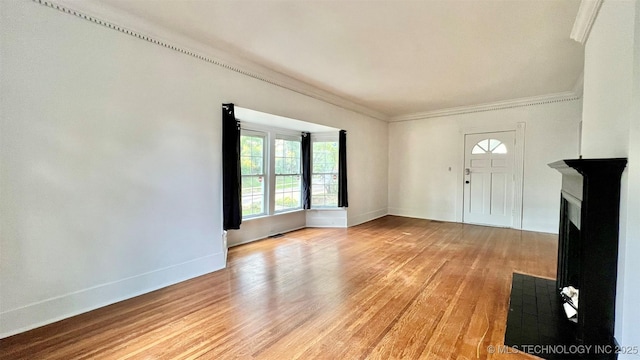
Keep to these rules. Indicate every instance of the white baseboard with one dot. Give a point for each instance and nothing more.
(414, 213)
(263, 237)
(402, 212)
(265, 226)
(61, 307)
(371, 215)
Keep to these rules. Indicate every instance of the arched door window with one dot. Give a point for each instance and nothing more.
(489, 146)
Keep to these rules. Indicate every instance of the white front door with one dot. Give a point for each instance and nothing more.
(489, 178)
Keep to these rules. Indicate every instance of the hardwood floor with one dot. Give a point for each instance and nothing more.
(393, 288)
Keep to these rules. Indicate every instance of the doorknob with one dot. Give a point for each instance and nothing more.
(467, 171)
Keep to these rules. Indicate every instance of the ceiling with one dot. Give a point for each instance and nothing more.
(392, 56)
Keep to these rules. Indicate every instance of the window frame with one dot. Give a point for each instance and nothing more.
(279, 135)
(324, 137)
(265, 171)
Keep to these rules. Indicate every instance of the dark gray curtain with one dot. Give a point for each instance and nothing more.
(343, 200)
(306, 170)
(231, 176)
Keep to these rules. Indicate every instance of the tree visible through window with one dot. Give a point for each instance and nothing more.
(252, 171)
(287, 172)
(324, 174)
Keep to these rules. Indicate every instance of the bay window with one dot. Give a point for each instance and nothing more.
(271, 170)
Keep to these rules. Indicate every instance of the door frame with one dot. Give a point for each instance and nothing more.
(518, 167)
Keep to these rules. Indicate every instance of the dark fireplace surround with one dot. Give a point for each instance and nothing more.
(588, 242)
(587, 260)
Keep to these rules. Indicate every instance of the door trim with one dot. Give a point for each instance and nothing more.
(518, 169)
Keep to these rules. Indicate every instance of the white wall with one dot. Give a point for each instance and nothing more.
(367, 160)
(263, 227)
(608, 79)
(422, 151)
(611, 128)
(327, 218)
(110, 163)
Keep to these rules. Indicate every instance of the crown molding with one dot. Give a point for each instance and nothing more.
(114, 19)
(587, 14)
(98, 13)
(498, 105)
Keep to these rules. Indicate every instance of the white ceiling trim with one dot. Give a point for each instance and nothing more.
(141, 29)
(131, 25)
(587, 14)
(498, 105)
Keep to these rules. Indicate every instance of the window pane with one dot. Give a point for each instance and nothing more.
(325, 157)
(287, 156)
(288, 195)
(279, 165)
(279, 152)
(245, 147)
(324, 190)
(295, 166)
(251, 155)
(493, 143)
(293, 148)
(252, 195)
(257, 146)
(477, 150)
(256, 165)
(484, 144)
(500, 149)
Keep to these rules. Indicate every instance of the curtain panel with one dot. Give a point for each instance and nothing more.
(306, 170)
(343, 200)
(231, 176)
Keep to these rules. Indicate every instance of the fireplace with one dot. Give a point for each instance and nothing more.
(587, 261)
(588, 242)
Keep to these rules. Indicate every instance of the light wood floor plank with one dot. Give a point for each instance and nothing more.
(393, 288)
